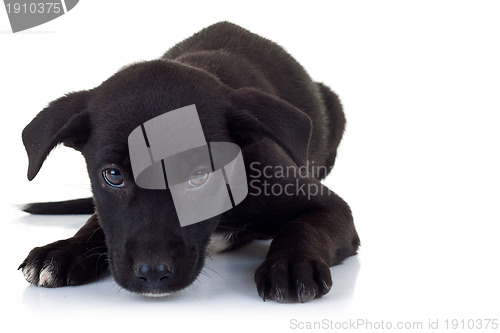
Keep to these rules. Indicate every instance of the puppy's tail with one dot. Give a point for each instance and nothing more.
(77, 206)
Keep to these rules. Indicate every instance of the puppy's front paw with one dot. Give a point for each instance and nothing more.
(62, 263)
(291, 278)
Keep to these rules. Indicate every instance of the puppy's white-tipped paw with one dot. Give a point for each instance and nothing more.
(48, 275)
(220, 242)
(63, 263)
(30, 273)
(45, 277)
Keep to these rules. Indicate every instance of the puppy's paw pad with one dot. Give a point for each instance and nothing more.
(288, 279)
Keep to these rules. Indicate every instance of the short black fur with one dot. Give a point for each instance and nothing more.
(247, 90)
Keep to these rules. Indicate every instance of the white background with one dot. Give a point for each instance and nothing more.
(419, 163)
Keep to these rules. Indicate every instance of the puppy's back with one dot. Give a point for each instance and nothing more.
(286, 77)
(243, 59)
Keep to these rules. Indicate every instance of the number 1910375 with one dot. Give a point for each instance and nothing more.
(471, 324)
(34, 8)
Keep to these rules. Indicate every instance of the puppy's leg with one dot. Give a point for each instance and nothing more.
(72, 261)
(296, 266)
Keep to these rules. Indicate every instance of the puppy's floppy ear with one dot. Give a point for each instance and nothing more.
(269, 115)
(65, 120)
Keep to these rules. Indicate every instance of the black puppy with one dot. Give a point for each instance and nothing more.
(248, 91)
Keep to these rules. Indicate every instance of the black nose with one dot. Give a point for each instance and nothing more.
(153, 275)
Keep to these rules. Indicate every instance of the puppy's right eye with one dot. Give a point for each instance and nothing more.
(113, 177)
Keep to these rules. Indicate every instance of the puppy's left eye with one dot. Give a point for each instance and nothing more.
(198, 178)
(113, 177)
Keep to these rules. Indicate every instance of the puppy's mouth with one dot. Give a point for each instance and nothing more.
(156, 294)
(149, 282)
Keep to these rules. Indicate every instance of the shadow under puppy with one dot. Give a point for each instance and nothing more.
(247, 91)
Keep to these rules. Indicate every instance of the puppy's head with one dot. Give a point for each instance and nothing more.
(148, 251)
